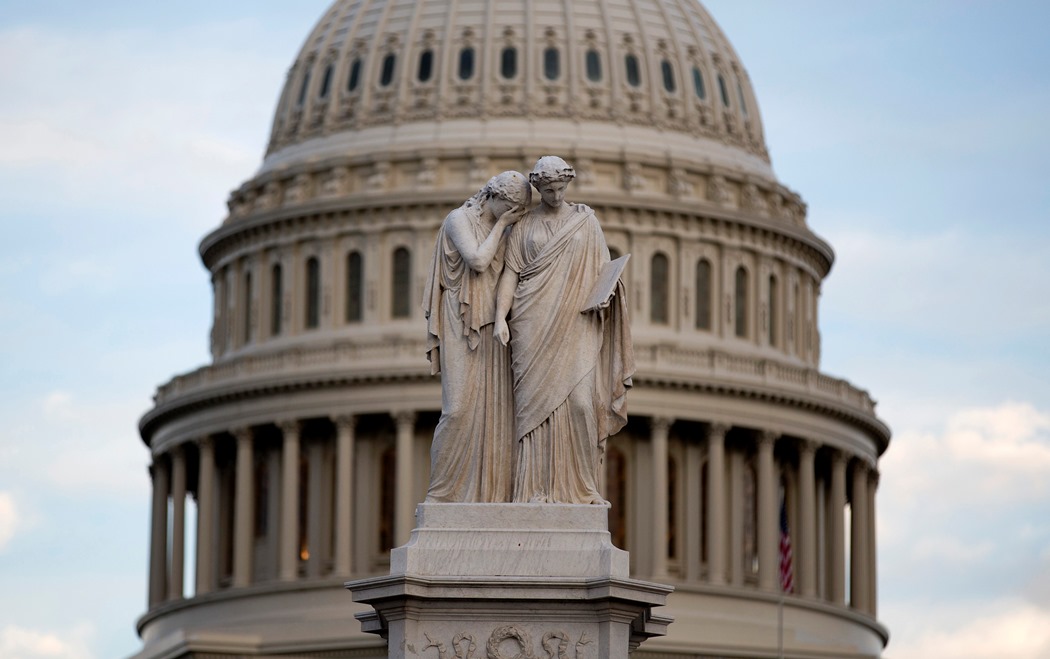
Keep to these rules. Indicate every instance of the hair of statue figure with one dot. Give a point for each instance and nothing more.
(550, 169)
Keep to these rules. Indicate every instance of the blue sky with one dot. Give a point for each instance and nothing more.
(916, 131)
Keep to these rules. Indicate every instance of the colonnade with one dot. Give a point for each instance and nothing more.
(724, 501)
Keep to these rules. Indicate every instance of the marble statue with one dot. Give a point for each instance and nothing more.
(572, 360)
(471, 454)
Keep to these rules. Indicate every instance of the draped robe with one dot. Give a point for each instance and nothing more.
(571, 368)
(472, 452)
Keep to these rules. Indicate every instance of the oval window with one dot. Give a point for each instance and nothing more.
(594, 66)
(551, 63)
(326, 82)
(634, 75)
(426, 66)
(355, 75)
(508, 62)
(387, 75)
(698, 84)
(466, 64)
(668, 74)
(722, 90)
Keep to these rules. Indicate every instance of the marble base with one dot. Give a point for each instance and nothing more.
(510, 581)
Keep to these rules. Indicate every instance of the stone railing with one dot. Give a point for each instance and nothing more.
(400, 358)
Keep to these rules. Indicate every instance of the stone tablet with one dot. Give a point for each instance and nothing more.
(606, 285)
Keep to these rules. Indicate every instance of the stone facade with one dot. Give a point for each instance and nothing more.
(303, 446)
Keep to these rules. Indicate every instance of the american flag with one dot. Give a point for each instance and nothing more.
(787, 572)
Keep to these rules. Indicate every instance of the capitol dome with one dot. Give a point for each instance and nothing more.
(303, 447)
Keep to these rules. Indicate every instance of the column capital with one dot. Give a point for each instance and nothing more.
(344, 421)
(403, 417)
(289, 426)
(808, 446)
(717, 431)
(661, 423)
(767, 438)
(874, 476)
(205, 441)
(243, 433)
(838, 456)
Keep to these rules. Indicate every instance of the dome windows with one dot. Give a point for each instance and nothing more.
(722, 90)
(354, 287)
(703, 295)
(466, 63)
(740, 316)
(401, 293)
(386, 75)
(326, 82)
(593, 63)
(659, 289)
(354, 79)
(634, 74)
(303, 89)
(551, 63)
(740, 94)
(508, 62)
(667, 71)
(276, 299)
(313, 293)
(426, 66)
(774, 316)
(698, 84)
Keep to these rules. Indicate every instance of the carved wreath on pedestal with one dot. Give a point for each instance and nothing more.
(555, 644)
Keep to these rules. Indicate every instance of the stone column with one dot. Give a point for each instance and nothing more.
(178, 524)
(715, 515)
(243, 516)
(768, 577)
(158, 548)
(405, 499)
(658, 440)
(736, 518)
(873, 563)
(206, 517)
(858, 563)
(288, 548)
(836, 530)
(807, 538)
(344, 489)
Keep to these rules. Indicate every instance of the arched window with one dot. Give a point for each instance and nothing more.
(355, 75)
(741, 302)
(774, 311)
(508, 62)
(304, 88)
(668, 74)
(466, 63)
(426, 65)
(659, 289)
(703, 294)
(616, 492)
(401, 297)
(593, 63)
(551, 63)
(722, 90)
(386, 76)
(247, 307)
(354, 288)
(313, 293)
(698, 84)
(387, 489)
(276, 299)
(634, 75)
(740, 94)
(326, 82)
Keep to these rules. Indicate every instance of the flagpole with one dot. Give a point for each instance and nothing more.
(780, 625)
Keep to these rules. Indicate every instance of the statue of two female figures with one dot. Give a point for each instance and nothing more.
(528, 427)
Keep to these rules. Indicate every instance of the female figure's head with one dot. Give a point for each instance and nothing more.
(509, 187)
(552, 176)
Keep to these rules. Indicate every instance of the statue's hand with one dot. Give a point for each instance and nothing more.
(501, 331)
(512, 216)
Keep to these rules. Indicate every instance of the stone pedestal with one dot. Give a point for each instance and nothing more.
(510, 581)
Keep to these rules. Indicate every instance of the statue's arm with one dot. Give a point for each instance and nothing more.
(478, 256)
(508, 282)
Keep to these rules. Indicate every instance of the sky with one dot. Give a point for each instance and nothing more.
(915, 130)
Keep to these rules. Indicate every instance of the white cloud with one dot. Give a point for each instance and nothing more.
(974, 630)
(22, 643)
(983, 457)
(9, 518)
(79, 444)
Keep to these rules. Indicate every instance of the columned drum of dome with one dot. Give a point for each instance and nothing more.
(301, 449)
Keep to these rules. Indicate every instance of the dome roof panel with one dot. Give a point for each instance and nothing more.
(653, 63)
